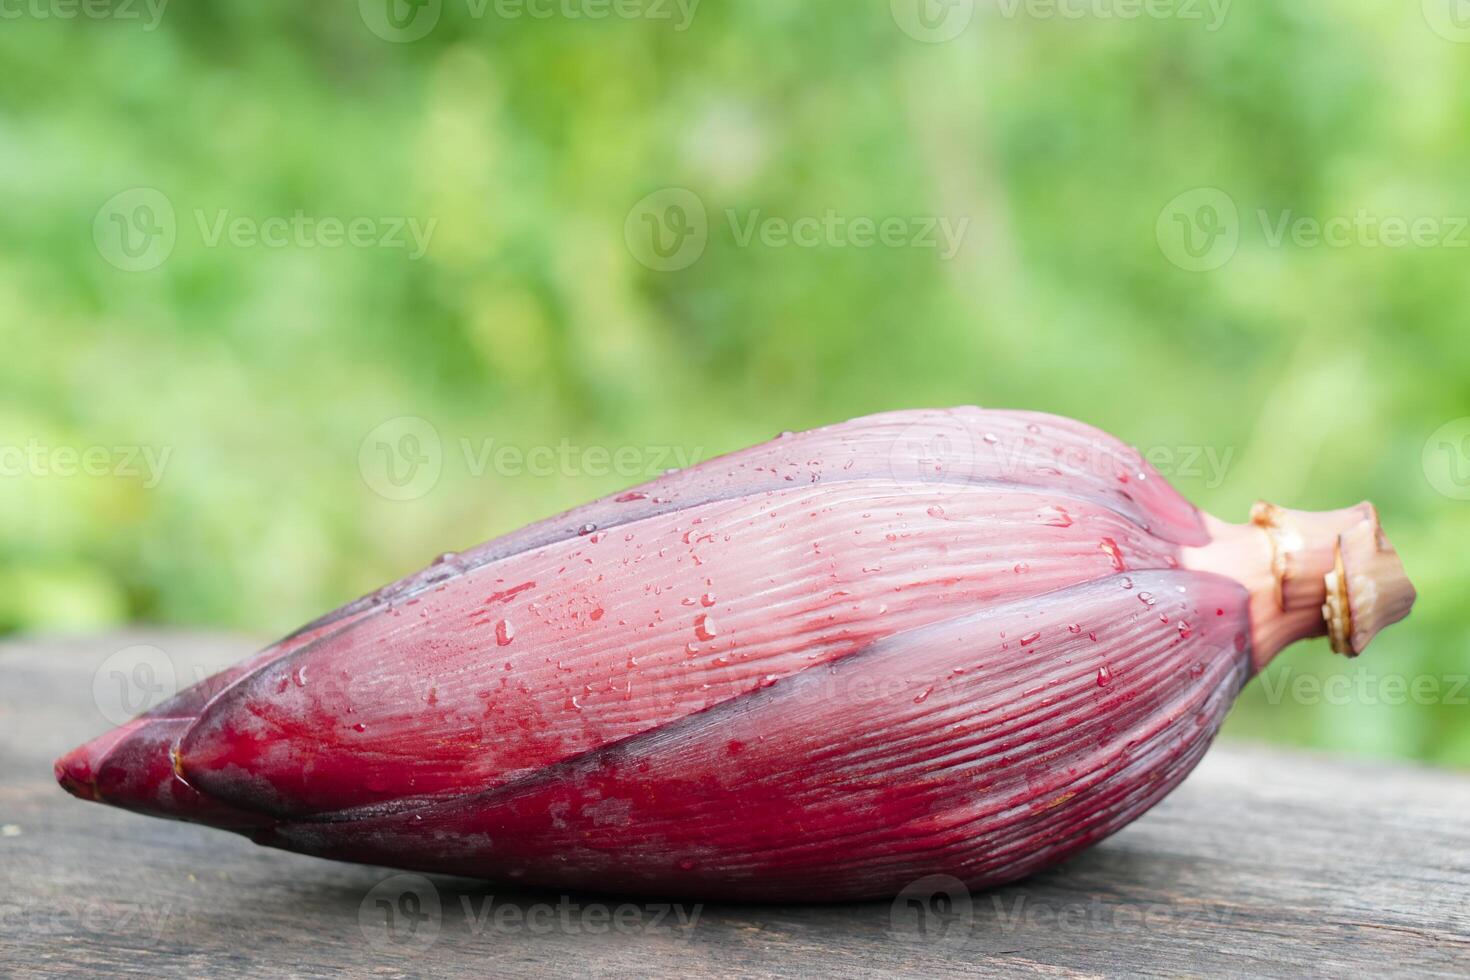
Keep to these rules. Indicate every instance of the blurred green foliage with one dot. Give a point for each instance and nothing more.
(1320, 371)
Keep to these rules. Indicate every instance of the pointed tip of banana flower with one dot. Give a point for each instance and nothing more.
(76, 771)
(135, 767)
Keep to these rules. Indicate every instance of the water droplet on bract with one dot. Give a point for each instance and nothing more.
(1033, 428)
(1074, 628)
(359, 727)
(445, 557)
(1029, 639)
(1104, 676)
(990, 438)
(707, 600)
(924, 695)
(630, 496)
(704, 627)
(1147, 598)
(936, 511)
(1054, 516)
(504, 632)
(1127, 583)
(1022, 568)
(586, 529)
(1115, 555)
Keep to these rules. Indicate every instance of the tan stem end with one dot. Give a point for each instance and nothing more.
(1309, 574)
(1367, 588)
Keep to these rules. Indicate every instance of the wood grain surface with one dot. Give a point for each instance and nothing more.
(1265, 863)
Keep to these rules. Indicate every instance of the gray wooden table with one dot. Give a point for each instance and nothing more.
(1265, 863)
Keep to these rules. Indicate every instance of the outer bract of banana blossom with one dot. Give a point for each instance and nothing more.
(946, 642)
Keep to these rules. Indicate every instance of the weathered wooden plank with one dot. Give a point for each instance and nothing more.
(1264, 863)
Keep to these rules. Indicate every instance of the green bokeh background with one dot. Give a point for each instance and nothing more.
(1321, 372)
